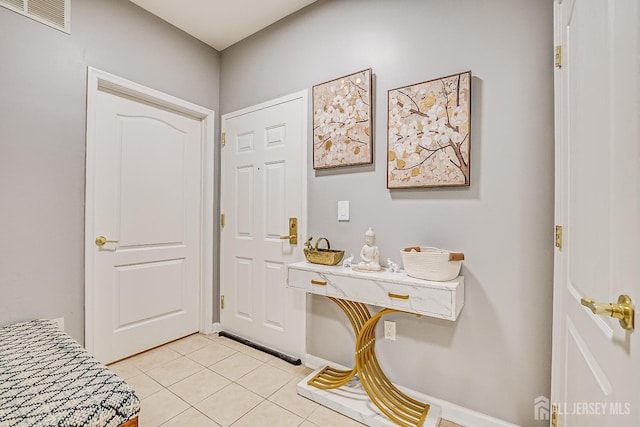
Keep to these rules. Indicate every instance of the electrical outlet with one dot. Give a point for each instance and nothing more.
(389, 330)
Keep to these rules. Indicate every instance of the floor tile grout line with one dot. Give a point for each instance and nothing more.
(224, 358)
(275, 403)
(291, 376)
(177, 415)
(263, 398)
(248, 410)
(303, 419)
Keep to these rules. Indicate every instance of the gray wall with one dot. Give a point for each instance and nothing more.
(496, 358)
(42, 138)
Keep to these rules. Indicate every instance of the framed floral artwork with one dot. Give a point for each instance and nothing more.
(342, 121)
(429, 131)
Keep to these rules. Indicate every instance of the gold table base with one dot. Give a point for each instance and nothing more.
(396, 405)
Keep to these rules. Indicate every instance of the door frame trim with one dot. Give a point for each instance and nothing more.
(100, 80)
(304, 164)
(558, 338)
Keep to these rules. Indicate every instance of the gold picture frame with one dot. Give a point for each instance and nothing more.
(429, 133)
(342, 121)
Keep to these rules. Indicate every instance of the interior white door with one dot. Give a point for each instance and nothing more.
(146, 202)
(595, 373)
(263, 185)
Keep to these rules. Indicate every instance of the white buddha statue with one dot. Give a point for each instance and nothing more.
(369, 253)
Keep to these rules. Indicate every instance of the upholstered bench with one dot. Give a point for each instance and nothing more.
(48, 380)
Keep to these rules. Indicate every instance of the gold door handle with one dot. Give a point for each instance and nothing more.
(292, 237)
(318, 282)
(101, 240)
(622, 311)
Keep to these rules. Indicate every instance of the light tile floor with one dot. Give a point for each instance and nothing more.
(209, 381)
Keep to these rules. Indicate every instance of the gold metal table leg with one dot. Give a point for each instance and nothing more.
(400, 408)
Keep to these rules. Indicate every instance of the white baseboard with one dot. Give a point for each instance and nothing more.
(210, 328)
(466, 417)
(450, 411)
(314, 362)
(60, 322)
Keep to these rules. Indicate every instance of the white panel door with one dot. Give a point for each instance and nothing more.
(146, 189)
(263, 185)
(595, 379)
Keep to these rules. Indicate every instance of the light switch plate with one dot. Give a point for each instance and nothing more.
(343, 210)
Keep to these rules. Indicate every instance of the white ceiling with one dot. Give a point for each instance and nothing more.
(221, 23)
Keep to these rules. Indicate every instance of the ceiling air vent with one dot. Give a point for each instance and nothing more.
(54, 13)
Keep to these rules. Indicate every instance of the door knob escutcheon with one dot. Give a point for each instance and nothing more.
(293, 232)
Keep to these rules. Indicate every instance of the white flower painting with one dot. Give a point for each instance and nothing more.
(429, 133)
(342, 121)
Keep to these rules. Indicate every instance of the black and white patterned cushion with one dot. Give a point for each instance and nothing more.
(47, 379)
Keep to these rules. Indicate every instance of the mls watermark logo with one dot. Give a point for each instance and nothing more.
(541, 408)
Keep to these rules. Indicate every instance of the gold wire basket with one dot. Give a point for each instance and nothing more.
(322, 256)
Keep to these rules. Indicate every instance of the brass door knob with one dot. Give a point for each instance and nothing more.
(622, 311)
(101, 240)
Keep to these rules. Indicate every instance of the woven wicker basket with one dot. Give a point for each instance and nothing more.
(431, 263)
(322, 256)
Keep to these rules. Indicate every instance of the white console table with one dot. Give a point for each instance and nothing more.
(394, 292)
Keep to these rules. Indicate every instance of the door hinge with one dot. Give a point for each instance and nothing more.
(559, 236)
(222, 220)
(554, 415)
(558, 56)
(223, 140)
(221, 302)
